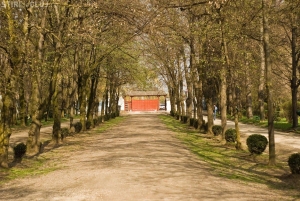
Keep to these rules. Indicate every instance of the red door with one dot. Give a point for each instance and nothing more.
(145, 105)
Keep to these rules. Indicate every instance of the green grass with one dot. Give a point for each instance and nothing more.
(28, 167)
(225, 160)
(280, 125)
(44, 123)
(108, 124)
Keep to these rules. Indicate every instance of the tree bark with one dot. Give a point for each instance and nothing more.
(5, 126)
(223, 76)
(262, 77)
(294, 80)
(248, 91)
(210, 119)
(269, 87)
(37, 105)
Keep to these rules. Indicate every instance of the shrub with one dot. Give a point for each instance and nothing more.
(204, 126)
(294, 163)
(287, 111)
(217, 130)
(257, 143)
(106, 117)
(20, 150)
(192, 121)
(88, 124)
(196, 123)
(230, 135)
(172, 113)
(96, 121)
(185, 118)
(78, 127)
(64, 132)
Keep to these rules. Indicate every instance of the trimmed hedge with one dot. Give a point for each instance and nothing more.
(204, 126)
(184, 119)
(192, 120)
(230, 135)
(257, 143)
(172, 113)
(217, 130)
(294, 163)
(64, 132)
(78, 127)
(88, 124)
(20, 150)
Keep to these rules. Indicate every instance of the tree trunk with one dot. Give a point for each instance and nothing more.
(33, 140)
(248, 91)
(199, 97)
(37, 105)
(269, 87)
(56, 106)
(238, 145)
(223, 87)
(102, 109)
(82, 99)
(5, 126)
(237, 101)
(189, 83)
(210, 119)
(294, 80)
(172, 95)
(261, 94)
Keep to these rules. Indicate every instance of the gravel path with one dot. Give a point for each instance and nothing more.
(140, 159)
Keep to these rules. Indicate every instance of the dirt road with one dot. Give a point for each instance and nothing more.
(140, 159)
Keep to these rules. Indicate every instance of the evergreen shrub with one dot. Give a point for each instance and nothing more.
(88, 124)
(294, 163)
(230, 135)
(217, 130)
(78, 127)
(257, 143)
(20, 150)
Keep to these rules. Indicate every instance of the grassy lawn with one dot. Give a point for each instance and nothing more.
(226, 161)
(44, 123)
(280, 125)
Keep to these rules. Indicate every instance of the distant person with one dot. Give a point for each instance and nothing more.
(215, 111)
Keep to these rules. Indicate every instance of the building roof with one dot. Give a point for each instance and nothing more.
(145, 93)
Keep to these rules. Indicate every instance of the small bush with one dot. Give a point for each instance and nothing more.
(106, 117)
(287, 110)
(196, 123)
(184, 119)
(64, 132)
(294, 163)
(257, 143)
(172, 113)
(204, 126)
(230, 135)
(78, 127)
(192, 121)
(217, 130)
(96, 121)
(88, 124)
(20, 150)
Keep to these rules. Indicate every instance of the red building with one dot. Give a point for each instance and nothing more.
(144, 100)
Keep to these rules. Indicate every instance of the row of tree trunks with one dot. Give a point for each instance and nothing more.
(11, 65)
